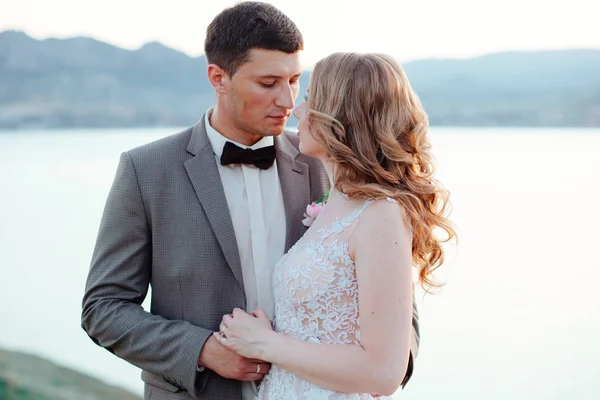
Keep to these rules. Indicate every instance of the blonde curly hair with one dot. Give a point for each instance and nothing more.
(362, 109)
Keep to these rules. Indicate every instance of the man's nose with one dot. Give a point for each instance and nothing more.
(285, 98)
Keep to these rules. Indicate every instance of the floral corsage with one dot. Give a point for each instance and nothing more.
(313, 210)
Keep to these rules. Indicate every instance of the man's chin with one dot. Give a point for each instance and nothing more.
(274, 131)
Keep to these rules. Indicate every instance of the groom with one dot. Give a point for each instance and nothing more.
(202, 216)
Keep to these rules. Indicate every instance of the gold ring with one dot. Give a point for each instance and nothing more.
(258, 368)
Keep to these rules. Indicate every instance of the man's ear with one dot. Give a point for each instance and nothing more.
(218, 78)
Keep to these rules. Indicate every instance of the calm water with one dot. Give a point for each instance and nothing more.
(518, 319)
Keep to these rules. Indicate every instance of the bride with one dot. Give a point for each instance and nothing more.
(344, 292)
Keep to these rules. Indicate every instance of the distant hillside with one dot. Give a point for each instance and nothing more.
(82, 82)
(28, 377)
(547, 88)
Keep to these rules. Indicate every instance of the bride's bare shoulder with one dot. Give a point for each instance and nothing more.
(383, 222)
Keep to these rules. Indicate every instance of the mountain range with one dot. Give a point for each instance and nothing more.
(82, 82)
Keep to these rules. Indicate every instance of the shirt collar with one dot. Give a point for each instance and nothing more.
(218, 141)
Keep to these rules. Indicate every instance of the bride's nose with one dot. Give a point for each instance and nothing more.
(296, 111)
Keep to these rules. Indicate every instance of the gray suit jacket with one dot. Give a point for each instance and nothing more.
(166, 224)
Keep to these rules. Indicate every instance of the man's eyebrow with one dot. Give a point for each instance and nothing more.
(278, 76)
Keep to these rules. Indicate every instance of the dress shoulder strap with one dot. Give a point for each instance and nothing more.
(340, 224)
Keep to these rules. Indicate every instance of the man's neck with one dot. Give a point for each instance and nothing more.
(221, 123)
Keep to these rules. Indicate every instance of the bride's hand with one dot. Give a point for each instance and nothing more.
(244, 333)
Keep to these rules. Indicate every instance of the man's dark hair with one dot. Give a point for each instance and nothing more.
(246, 26)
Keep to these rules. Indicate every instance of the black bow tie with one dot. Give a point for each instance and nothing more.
(262, 158)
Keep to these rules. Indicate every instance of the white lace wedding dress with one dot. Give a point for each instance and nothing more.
(316, 300)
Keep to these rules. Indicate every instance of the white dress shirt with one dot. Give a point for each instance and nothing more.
(256, 206)
(255, 203)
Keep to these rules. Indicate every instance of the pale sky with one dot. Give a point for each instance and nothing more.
(407, 30)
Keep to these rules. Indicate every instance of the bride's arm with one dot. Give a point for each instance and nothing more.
(381, 248)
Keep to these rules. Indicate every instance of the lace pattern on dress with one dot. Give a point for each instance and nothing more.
(316, 300)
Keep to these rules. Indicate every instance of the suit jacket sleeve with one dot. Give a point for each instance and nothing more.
(117, 284)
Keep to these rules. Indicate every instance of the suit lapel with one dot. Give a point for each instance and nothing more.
(204, 174)
(295, 188)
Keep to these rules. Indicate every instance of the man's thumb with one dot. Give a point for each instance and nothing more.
(260, 313)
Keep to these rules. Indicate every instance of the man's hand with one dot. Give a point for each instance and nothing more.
(229, 364)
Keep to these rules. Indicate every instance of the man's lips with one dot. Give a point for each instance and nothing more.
(279, 117)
